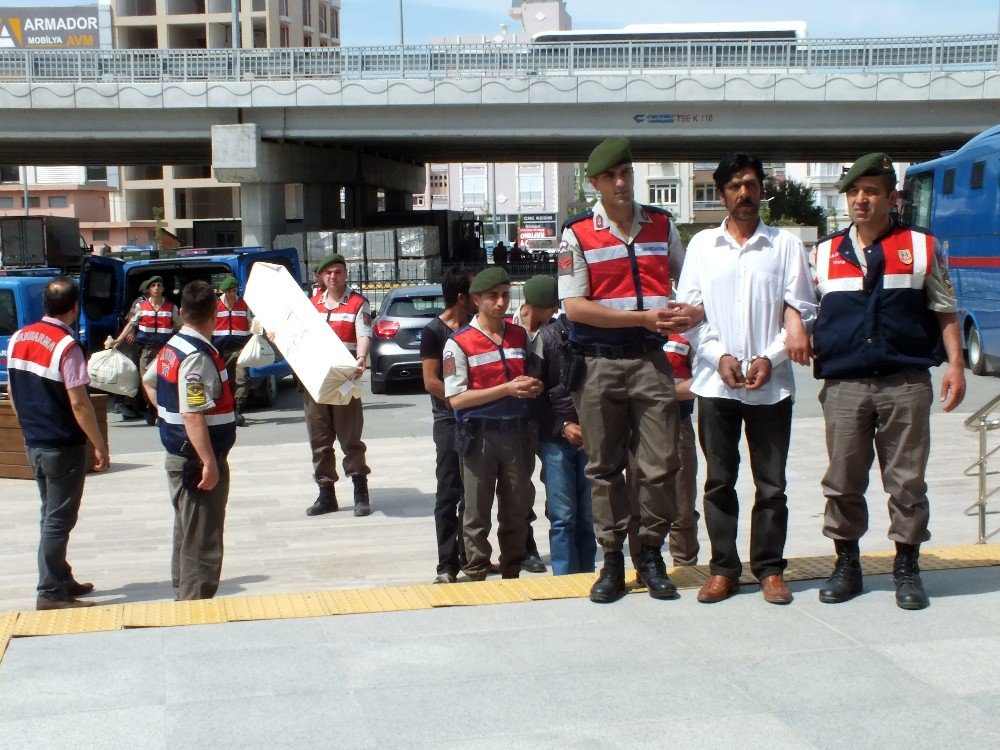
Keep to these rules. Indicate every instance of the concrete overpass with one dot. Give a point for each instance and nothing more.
(371, 118)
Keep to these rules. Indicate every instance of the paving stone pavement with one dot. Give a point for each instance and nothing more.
(558, 674)
(538, 674)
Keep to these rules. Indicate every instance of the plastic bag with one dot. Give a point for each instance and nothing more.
(113, 372)
(257, 352)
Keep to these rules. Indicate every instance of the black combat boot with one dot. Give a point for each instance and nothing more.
(845, 583)
(652, 573)
(610, 586)
(326, 502)
(240, 419)
(906, 575)
(362, 505)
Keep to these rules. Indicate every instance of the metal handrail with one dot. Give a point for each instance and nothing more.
(864, 55)
(983, 422)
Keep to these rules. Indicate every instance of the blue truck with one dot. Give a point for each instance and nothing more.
(957, 197)
(20, 304)
(109, 287)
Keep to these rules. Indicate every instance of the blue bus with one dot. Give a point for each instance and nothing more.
(957, 197)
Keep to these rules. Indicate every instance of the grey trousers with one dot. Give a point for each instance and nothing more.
(499, 463)
(628, 414)
(324, 423)
(683, 537)
(199, 518)
(59, 473)
(888, 417)
(237, 377)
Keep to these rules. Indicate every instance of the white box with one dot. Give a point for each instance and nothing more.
(380, 245)
(324, 366)
(351, 245)
(418, 242)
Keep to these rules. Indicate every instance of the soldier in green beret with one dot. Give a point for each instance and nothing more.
(232, 332)
(350, 317)
(615, 265)
(487, 368)
(887, 314)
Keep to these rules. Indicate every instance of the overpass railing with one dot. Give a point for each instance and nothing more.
(903, 54)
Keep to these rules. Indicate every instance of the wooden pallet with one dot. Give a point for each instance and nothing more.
(13, 459)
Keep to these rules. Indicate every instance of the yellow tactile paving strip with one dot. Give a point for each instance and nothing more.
(66, 621)
(170, 614)
(7, 622)
(401, 598)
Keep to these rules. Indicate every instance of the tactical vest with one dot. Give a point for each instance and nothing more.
(155, 325)
(343, 319)
(492, 364)
(232, 327)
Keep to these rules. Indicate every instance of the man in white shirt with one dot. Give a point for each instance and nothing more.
(746, 274)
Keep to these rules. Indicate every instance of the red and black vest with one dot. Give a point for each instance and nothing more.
(343, 319)
(492, 364)
(232, 327)
(875, 323)
(35, 354)
(632, 276)
(156, 325)
(221, 418)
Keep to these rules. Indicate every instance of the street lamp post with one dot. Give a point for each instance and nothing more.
(400, 23)
(236, 24)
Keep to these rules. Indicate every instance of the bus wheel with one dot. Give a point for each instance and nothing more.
(974, 348)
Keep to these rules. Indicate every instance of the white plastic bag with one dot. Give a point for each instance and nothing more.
(112, 371)
(257, 352)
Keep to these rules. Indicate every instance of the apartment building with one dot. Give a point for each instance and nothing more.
(190, 193)
(91, 194)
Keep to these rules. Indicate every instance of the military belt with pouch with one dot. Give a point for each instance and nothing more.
(572, 366)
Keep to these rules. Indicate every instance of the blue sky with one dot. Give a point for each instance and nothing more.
(373, 22)
(367, 22)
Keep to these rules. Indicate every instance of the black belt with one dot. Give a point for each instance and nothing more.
(502, 424)
(622, 351)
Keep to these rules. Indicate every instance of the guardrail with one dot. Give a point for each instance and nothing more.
(903, 54)
(984, 421)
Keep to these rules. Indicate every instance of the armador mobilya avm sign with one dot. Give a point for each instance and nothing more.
(46, 28)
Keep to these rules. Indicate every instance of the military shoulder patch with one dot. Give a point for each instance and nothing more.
(195, 394)
(565, 263)
(448, 365)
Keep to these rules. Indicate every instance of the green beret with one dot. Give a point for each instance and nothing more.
(329, 260)
(540, 291)
(149, 282)
(867, 165)
(486, 280)
(228, 283)
(610, 153)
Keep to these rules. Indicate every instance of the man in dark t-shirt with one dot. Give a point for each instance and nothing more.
(448, 499)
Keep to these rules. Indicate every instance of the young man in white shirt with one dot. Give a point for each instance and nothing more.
(746, 274)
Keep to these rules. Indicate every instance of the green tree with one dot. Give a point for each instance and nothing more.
(792, 204)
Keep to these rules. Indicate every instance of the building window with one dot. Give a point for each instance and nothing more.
(307, 14)
(33, 202)
(284, 36)
(58, 201)
(10, 174)
(283, 8)
(96, 174)
(102, 235)
(334, 23)
(322, 19)
(706, 196)
(978, 175)
(473, 185)
(419, 201)
(663, 193)
(6, 201)
(307, 41)
(530, 185)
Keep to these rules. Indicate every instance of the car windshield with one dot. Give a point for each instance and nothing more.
(425, 306)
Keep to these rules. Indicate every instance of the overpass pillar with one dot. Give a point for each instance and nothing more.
(398, 200)
(362, 200)
(321, 206)
(262, 208)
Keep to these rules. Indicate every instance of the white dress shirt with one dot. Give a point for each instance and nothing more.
(744, 290)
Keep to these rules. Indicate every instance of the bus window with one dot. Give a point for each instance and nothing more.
(978, 173)
(919, 190)
(948, 186)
